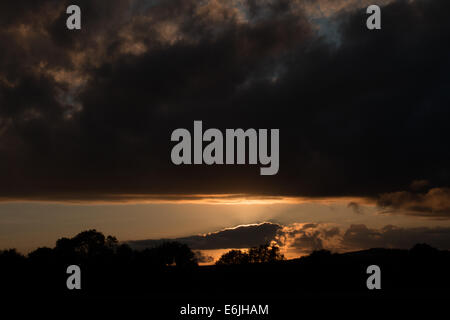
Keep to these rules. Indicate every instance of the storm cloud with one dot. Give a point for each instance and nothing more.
(88, 114)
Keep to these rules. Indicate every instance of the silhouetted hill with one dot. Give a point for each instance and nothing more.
(169, 274)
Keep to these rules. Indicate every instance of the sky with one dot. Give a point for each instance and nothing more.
(86, 118)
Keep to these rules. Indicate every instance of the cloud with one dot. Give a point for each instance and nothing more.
(417, 185)
(362, 237)
(356, 207)
(245, 236)
(299, 239)
(89, 114)
(434, 203)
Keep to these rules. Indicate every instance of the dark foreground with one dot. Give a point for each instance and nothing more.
(322, 284)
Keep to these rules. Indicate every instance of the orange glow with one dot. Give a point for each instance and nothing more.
(209, 199)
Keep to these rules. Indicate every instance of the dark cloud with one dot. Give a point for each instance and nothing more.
(418, 185)
(89, 114)
(362, 237)
(298, 239)
(311, 242)
(356, 207)
(246, 236)
(305, 238)
(434, 203)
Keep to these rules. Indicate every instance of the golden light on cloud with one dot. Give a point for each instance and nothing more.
(207, 199)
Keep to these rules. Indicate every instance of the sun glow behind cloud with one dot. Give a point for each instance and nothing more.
(207, 199)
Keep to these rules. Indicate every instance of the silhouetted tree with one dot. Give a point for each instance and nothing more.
(10, 256)
(124, 252)
(233, 257)
(86, 244)
(261, 254)
(12, 264)
(170, 254)
(110, 268)
(42, 255)
(265, 253)
(111, 242)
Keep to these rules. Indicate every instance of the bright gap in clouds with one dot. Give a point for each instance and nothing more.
(28, 225)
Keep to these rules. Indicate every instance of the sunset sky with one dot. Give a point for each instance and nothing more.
(86, 118)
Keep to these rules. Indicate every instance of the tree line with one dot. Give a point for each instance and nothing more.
(92, 245)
